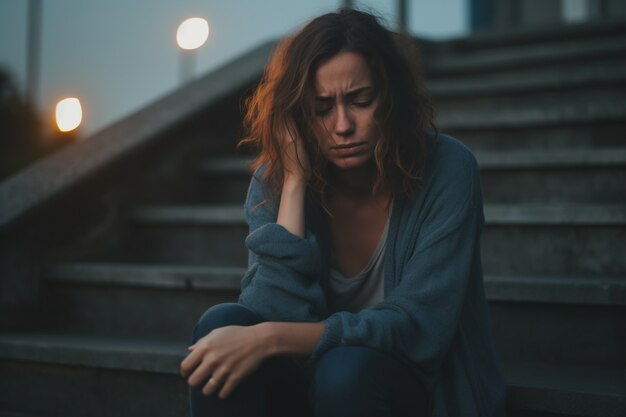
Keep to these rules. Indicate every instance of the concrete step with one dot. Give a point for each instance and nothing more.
(555, 215)
(173, 278)
(70, 375)
(207, 234)
(559, 320)
(134, 300)
(569, 321)
(238, 167)
(535, 239)
(503, 58)
(561, 113)
(551, 159)
(519, 176)
(538, 80)
(590, 101)
(113, 299)
(540, 388)
(560, 334)
(608, 291)
(554, 239)
(227, 179)
(66, 375)
(571, 133)
(554, 175)
(578, 124)
(518, 36)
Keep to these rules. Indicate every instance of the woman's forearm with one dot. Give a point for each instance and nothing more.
(291, 210)
(293, 339)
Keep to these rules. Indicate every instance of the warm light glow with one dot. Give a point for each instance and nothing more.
(69, 114)
(192, 33)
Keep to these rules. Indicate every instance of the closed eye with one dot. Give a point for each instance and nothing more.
(363, 103)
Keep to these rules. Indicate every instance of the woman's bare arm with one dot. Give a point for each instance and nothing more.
(295, 176)
(291, 339)
(291, 210)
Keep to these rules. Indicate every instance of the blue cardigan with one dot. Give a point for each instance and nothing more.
(434, 315)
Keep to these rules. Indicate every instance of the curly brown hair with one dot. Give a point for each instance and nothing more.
(284, 99)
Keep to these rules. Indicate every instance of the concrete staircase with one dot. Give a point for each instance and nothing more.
(545, 114)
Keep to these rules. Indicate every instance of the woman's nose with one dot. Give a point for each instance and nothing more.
(344, 125)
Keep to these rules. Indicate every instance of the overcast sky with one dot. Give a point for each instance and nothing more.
(119, 55)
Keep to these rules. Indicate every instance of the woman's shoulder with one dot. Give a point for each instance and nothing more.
(451, 171)
(449, 152)
(449, 160)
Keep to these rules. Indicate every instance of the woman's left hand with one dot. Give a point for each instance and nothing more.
(224, 357)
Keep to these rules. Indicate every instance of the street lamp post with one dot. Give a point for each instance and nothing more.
(192, 33)
(402, 15)
(33, 55)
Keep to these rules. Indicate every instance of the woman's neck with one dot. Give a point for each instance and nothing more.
(356, 181)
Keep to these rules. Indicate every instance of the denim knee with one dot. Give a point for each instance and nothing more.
(339, 382)
(220, 315)
(359, 381)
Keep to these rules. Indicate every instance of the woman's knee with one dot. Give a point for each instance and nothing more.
(359, 381)
(342, 370)
(221, 315)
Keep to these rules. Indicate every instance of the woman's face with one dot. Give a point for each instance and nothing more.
(345, 104)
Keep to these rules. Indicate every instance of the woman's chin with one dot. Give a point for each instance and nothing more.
(352, 162)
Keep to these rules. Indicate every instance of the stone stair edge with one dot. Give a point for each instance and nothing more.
(523, 35)
(487, 160)
(442, 88)
(540, 386)
(227, 165)
(556, 214)
(495, 214)
(513, 57)
(89, 351)
(499, 288)
(570, 391)
(568, 114)
(551, 158)
(608, 291)
(184, 277)
(216, 214)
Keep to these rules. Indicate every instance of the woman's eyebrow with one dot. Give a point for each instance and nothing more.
(358, 91)
(349, 95)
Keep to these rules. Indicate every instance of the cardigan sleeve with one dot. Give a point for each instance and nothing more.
(282, 282)
(418, 319)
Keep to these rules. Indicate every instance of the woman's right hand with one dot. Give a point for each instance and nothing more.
(296, 165)
(222, 359)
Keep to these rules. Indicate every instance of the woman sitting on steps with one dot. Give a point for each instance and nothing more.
(364, 292)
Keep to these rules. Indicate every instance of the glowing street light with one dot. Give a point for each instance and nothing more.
(192, 33)
(69, 114)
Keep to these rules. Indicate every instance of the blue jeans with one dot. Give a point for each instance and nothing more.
(346, 381)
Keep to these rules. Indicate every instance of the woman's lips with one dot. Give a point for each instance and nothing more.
(349, 149)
